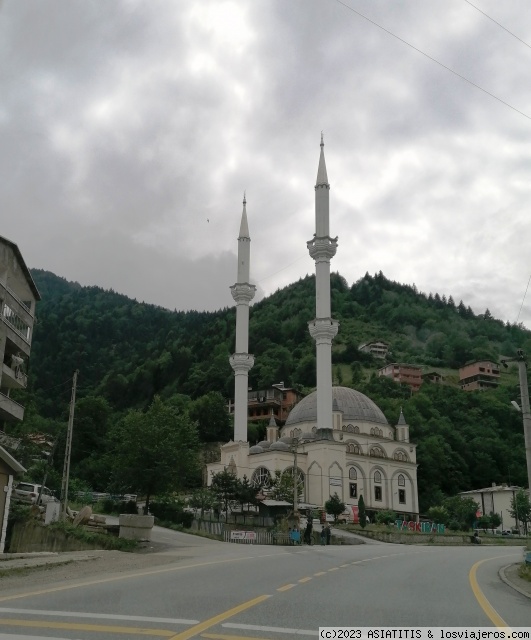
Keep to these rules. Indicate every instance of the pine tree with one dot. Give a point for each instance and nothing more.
(361, 512)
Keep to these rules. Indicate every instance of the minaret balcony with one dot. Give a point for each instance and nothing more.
(322, 249)
(243, 292)
(323, 330)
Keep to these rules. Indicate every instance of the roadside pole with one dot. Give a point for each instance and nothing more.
(68, 449)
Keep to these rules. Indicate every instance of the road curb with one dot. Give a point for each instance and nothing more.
(503, 576)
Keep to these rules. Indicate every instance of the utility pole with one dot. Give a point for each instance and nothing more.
(295, 482)
(68, 449)
(526, 413)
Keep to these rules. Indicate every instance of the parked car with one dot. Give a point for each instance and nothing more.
(28, 492)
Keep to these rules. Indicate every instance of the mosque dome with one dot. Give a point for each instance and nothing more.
(265, 444)
(286, 440)
(255, 449)
(278, 446)
(308, 435)
(355, 407)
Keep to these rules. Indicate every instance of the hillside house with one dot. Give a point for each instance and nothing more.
(407, 373)
(481, 374)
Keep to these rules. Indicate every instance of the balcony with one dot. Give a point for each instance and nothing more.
(13, 379)
(17, 319)
(9, 409)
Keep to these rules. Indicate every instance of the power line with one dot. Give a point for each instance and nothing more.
(496, 22)
(518, 316)
(426, 55)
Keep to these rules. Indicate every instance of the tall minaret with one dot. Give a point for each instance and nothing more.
(323, 329)
(241, 361)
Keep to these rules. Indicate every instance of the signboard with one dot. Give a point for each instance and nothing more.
(8, 441)
(243, 535)
(419, 527)
(336, 482)
(355, 515)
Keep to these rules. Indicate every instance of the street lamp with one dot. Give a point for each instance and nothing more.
(521, 359)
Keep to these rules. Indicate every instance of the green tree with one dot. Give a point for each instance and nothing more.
(385, 517)
(361, 512)
(203, 499)
(282, 486)
(439, 515)
(495, 520)
(245, 493)
(225, 487)
(334, 506)
(213, 420)
(462, 510)
(154, 452)
(521, 508)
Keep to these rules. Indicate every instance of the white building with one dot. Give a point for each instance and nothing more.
(495, 499)
(340, 439)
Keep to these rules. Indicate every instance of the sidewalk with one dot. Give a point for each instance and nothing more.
(509, 575)
(18, 561)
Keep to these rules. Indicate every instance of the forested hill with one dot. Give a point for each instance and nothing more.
(128, 352)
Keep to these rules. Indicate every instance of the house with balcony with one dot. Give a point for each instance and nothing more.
(479, 375)
(407, 373)
(18, 298)
(377, 348)
(276, 400)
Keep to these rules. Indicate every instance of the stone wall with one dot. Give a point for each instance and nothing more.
(31, 536)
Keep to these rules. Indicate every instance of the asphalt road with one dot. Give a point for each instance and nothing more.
(213, 590)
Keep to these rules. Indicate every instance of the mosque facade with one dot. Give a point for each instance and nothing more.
(336, 440)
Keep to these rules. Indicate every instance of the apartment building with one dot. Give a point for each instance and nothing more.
(406, 373)
(276, 400)
(18, 297)
(481, 374)
(378, 348)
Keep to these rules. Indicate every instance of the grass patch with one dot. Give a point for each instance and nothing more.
(524, 571)
(102, 540)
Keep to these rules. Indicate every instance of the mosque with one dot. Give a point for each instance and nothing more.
(336, 439)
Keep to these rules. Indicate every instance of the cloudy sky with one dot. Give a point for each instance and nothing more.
(130, 129)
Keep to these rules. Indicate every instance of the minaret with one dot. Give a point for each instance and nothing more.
(323, 329)
(241, 361)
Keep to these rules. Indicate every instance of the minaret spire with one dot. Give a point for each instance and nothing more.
(241, 361)
(323, 329)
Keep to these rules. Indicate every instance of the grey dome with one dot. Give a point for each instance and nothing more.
(265, 444)
(354, 405)
(255, 449)
(279, 446)
(286, 440)
(308, 435)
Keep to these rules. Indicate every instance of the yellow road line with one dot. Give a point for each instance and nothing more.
(491, 612)
(334, 569)
(320, 573)
(305, 579)
(345, 565)
(73, 626)
(286, 587)
(220, 636)
(203, 626)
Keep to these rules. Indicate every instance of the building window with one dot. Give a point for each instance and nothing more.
(400, 455)
(377, 477)
(353, 490)
(402, 496)
(401, 481)
(378, 493)
(261, 477)
(352, 473)
(376, 452)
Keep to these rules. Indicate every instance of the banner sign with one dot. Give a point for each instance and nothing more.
(243, 535)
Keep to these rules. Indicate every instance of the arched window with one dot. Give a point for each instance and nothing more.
(377, 477)
(350, 428)
(289, 471)
(372, 431)
(352, 473)
(232, 467)
(261, 478)
(314, 429)
(356, 429)
(400, 455)
(377, 452)
(401, 481)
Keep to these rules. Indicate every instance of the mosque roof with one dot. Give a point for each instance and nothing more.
(353, 404)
